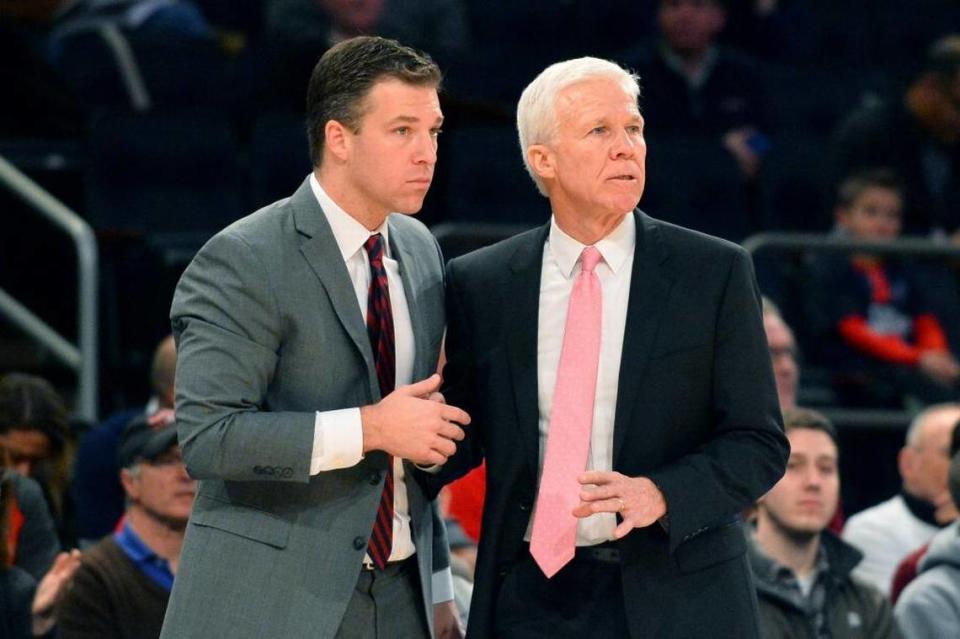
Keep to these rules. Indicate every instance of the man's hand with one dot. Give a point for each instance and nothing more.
(737, 143)
(637, 499)
(51, 589)
(408, 423)
(940, 366)
(446, 621)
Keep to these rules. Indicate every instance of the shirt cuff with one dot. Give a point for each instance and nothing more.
(442, 586)
(337, 440)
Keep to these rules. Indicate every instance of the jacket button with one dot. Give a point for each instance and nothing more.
(359, 543)
(524, 505)
(374, 478)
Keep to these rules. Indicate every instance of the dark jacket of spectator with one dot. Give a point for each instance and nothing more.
(853, 608)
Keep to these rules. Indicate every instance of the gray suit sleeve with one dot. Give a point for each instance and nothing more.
(228, 329)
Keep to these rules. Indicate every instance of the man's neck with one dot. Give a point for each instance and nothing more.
(339, 191)
(587, 231)
(162, 537)
(799, 555)
(692, 63)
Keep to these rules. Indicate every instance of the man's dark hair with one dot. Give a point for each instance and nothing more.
(28, 402)
(794, 418)
(345, 74)
(856, 183)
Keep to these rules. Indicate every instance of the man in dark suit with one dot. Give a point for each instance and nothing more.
(620, 386)
(308, 336)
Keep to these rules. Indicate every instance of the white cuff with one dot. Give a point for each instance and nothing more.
(442, 586)
(337, 440)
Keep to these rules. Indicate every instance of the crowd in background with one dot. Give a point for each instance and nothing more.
(160, 121)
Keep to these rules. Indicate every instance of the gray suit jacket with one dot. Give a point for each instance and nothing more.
(268, 332)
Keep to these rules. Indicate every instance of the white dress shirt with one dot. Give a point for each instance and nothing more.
(561, 266)
(338, 434)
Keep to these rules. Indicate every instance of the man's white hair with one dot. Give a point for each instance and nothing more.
(537, 109)
(920, 421)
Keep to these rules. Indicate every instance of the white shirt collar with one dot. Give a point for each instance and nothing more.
(615, 248)
(347, 231)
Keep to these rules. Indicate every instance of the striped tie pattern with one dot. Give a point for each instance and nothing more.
(380, 330)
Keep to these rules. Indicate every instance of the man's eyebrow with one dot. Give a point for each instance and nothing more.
(412, 119)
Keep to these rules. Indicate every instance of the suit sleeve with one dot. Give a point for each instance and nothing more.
(457, 389)
(747, 451)
(228, 329)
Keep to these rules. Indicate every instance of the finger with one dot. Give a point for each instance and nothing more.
(437, 397)
(444, 446)
(607, 491)
(582, 511)
(451, 431)
(431, 458)
(454, 414)
(423, 388)
(622, 529)
(597, 477)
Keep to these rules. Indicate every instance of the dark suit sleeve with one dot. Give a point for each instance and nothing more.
(747, 451)
(458, 387)
(228, 329)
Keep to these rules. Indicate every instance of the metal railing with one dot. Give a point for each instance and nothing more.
(914, 247)
(81, 358)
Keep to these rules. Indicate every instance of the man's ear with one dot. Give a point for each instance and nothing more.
(337, 139)
(542, 161)
(130, 484)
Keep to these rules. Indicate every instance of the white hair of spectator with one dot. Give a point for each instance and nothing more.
(916, 426)
(537, 109)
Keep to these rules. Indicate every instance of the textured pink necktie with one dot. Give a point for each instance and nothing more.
(554, 536)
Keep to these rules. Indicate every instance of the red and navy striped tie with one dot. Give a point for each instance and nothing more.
(380, 329)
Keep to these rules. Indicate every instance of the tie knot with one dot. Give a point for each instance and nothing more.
(589, 259)
(374, 248)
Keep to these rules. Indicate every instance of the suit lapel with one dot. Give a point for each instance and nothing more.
(650, 287)
(411, 277)
(322, 253)
(522, 322)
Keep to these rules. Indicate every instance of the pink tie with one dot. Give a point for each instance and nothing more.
(554, 536)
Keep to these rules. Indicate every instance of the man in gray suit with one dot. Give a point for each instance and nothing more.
(303, 330)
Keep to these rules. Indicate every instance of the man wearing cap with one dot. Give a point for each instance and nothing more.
(122, 588)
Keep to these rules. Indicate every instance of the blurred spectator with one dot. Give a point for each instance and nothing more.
(30, 540)
(700, 89)
(97, 491)
(918, 136)
(32, 573)
(908, 568)
(123, 586)
(783, 354)
(803, 570)
(299, 31)
(875, 312)
(34, 431)
(888, 532)
(152, 18)
(28, 600)
(929, 607)
(778, 30)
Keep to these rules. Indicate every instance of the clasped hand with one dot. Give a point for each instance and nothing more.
(637, 500)
(413, 422)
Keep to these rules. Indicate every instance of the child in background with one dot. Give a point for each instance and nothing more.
(875, 310)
